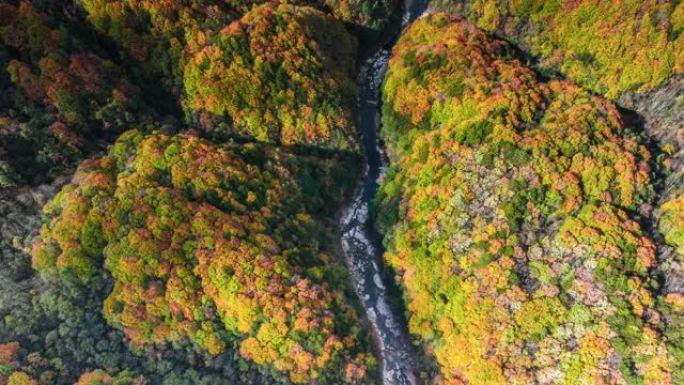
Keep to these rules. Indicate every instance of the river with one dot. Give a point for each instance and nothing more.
(360, 242)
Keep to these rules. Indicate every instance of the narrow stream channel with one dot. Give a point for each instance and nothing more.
(362, 249)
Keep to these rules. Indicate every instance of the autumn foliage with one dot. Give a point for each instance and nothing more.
(275, 72)
(152, 34)
(197, 253)
(275, 75)
(215, 245)
(510, 212)
(671, 271)
(609, 47)
(20, 378)
(57, 94)
(156, 34)
(536, 233)
(100, 377)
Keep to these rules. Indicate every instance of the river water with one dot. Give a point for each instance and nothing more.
(360, 242)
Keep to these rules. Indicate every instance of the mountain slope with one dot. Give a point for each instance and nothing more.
(512, 213)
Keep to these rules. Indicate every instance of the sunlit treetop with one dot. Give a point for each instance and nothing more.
(20, 378)
(273, 72)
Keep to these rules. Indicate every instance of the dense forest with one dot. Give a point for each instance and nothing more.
(173, 173)
(195, 242)
(212, 246)
(535, 225)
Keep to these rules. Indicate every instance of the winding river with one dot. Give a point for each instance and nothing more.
(362, 249)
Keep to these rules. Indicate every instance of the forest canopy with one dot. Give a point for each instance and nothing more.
(608, 47)
(58, 94)
(182, 182)
(511, 212)
(276, 76)
(213, 258)
(210, 244)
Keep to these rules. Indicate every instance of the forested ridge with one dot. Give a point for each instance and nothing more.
(210, 245)
(195, 241)
(172, 175)
(533, 223)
